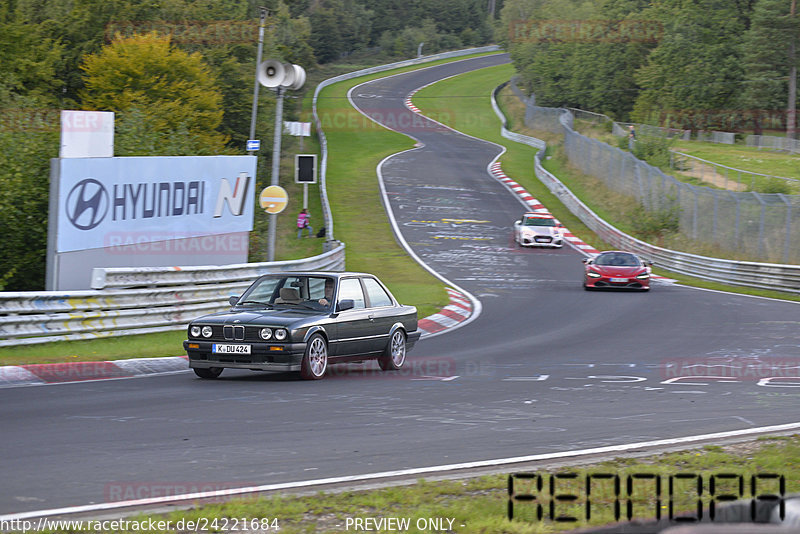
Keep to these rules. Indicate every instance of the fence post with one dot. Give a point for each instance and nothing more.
(714, 220)
(760, 222)
(738, 219)
(787, 238)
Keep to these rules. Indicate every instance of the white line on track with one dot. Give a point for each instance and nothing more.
(612, 449)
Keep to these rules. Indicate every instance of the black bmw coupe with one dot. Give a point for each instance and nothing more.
(304, 321)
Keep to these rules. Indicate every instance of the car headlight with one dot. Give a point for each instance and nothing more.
(643, 276)
(281, 334)
(207, 331)
(194, 331)
(266, 333)
(592, 274)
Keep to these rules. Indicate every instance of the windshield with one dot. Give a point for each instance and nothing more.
(538, 221)
(311, 292)
(617, 259)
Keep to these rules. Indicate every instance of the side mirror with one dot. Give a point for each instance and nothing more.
(233, 299)
(587, 261)
(517, 223)
(346, 304)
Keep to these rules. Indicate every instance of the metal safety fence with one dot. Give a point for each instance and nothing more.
(772, 142)
(137, 300)
(758, 225)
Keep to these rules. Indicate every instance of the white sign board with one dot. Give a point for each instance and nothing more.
(113, 202)
(87, 134)
(297, 128)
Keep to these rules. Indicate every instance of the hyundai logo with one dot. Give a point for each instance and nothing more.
(87, 204)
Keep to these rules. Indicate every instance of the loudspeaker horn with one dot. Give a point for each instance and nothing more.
(271, 73)
(299, 78)
(288, 75)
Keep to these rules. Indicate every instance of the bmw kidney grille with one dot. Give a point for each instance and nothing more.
(231, 332)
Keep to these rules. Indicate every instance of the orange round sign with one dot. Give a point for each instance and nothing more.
(273, 199)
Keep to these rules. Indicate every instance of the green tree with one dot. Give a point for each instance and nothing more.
(28, 61)
(767, 60)
(577, 54)
(339, 27)
(25, 173)
(173, 89)
(696, 65)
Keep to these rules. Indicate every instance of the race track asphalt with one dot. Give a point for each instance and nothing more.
(546, 367)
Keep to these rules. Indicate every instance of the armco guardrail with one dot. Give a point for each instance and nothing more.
(323, 167)
(137, 300)
(773, 276)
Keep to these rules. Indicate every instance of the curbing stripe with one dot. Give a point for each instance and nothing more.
(63, 373)
(12, 375)
(459, 310)
(429, 326)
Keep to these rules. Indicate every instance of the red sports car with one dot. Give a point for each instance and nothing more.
(615, 269)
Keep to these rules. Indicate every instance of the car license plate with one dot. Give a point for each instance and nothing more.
(619, 279)
(231, 349)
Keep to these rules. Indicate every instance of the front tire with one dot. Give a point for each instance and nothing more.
(315, 359)
(394, 356)
(208, 372)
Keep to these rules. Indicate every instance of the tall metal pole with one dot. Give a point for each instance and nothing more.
(276, 167)
(253, 114)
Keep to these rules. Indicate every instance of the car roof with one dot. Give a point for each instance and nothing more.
(331, 274)
(531, 214)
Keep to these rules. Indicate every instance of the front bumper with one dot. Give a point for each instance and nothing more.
(606, 283)
(541, 241)
(263, 356)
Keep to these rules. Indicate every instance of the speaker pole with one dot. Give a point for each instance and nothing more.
(276, 167)
(261, 24)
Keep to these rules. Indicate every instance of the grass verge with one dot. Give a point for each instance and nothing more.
(743, 157)
(479, 505)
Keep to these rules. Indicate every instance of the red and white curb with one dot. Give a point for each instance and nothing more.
(409, 104)
(458, 311)
(534, 205)
(59, 373)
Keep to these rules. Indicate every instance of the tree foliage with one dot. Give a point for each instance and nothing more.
(766, 60)
(24, 174)
(170, 88)
(710, 63)
(28, 62)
